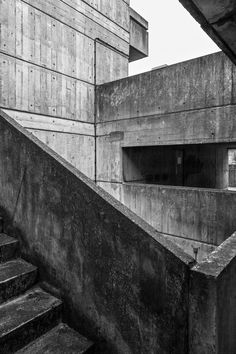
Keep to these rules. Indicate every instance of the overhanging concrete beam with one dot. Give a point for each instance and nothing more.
(138, 36)
(218, 20)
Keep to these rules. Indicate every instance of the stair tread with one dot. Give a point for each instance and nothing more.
(60, 340)
(15, 268)
(6, 240)
(24, 309)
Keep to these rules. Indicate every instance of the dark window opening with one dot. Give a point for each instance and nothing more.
(232, 168)
(198, 165)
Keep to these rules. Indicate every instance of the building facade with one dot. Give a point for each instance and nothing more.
(155, 273)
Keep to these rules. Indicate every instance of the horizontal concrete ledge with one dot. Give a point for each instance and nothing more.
(53, 124)
(138, 18)
(144, 185)
(196, 249)
(219, 259)
(159, 70)
(135, 222)
(116, 124)
(182, 238)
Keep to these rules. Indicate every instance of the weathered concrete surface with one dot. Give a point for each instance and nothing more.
(138, 18)
(198, 250)
(16, 276)
(218, 19)
(193, 102)
(201, 83)
(105, 71)
(138, 36)
(50, 64)
(8, 248)
(199, 126)
(26, 318)
(121, 280)
(60, 340)
(200, 214)
(212, 315)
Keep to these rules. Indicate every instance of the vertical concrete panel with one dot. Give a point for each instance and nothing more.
(202, 314)
(192, 85)
(76, 149)
(110, 65)
(48, 66)
(226, 310)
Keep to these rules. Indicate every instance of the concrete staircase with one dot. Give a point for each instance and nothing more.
(30, 318)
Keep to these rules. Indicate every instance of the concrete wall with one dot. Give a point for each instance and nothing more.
(52, 53)
(204, 215)
(120, 280)
(212, 316)
(188, 103)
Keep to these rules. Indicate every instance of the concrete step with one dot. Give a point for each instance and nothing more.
(16, 276)
(27, 317)
(60, 340)
(8, 248)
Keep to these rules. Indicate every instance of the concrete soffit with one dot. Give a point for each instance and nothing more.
(218, 20)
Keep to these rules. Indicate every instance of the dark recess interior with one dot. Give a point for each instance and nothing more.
(202, 165)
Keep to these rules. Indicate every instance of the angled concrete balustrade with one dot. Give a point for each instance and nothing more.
(122, 282)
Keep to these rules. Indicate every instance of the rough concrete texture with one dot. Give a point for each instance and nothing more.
(218, 19)
(201, 83)
(27, 317)
(198, 250)
(16, 276)
(120, 279)
(8, 248)
(212, 316)
(60, 340)
(53, 45)
(188, 103)
(138, 36)
(204, 215)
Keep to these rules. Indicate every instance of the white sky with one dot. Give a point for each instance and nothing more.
(174, 36)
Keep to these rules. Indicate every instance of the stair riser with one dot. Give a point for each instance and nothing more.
(17, 285)
(29, 331)
(8, 252)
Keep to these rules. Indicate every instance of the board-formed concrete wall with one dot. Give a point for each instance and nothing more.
(121, 281)
(205, 215)
(193, 102)
(52, 53)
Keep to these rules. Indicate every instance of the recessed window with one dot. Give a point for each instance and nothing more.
(198, 165)
(232, 168)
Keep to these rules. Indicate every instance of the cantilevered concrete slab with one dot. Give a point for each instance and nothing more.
(138, 36)
(218, 19)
